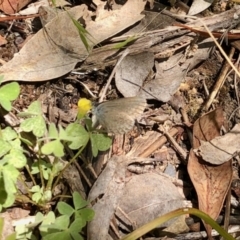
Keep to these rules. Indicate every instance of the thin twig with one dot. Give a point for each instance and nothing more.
(188, 124)
(128, 218)
(85, 86)
(124, 54)
(181, 152)
(232, 114)
(236, 82)
(83, 174)
(220, 81)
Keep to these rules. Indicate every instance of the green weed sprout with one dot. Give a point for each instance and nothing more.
(8, 93)
(11, 153)
(67, 225)
(52, 141)
(38, 148)
(83, 33)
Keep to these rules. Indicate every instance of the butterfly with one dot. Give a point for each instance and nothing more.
(118, 116)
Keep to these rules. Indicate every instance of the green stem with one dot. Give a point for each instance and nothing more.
(160, 220)
(31, 176)
(68, 164)
(61, 196)
(41, 173)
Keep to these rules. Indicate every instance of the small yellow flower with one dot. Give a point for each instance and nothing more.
(84, 105)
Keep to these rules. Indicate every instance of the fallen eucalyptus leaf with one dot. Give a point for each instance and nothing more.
(221, 149)
(57, 48)
(210, 181)
(132, 72)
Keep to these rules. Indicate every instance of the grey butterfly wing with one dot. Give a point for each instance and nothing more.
(118, 116)
(118, 124)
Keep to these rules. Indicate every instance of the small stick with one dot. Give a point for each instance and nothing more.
(128, 218)
(220, 81)
(124, 54)
(176, 16)
(115, 230)
(236, 81)
(188, 124)
(161, 140)
(205, 88)
(205, 33)
(181, 152)
(232, 114)
(10, 18)
(83, 174)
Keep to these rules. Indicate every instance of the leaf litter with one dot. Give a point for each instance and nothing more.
(56, 49)
(211, 182)
(221, 149)
(175, 78)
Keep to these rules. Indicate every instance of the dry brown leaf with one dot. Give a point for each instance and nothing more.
(199, 6)
(108, 23)
(2, 40)
(13, 6)
(33, 8)
(50, 53)
(210, 181)
(56, 49)
(132, 72)
(171, 73)
(220, 149)
(165, 83)
(109, 186)
(148, 195)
